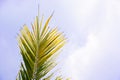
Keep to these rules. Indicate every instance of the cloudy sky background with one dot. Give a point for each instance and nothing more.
(91, 26)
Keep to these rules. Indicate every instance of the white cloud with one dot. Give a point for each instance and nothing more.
(80, 59)
(98, 59)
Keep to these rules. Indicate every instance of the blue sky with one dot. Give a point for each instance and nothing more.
(91, 26)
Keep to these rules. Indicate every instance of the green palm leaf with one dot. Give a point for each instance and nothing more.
(39, 49)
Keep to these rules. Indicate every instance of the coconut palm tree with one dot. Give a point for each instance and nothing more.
(39, 49)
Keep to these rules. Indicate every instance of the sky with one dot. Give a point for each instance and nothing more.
(91, 27)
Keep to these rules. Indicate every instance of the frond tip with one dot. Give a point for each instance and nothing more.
(38, 48)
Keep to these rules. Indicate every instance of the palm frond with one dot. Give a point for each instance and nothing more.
(39, 49)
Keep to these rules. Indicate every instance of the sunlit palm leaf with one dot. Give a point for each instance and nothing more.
(38, 48)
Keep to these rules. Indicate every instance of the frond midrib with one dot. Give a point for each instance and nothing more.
(37, 50)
